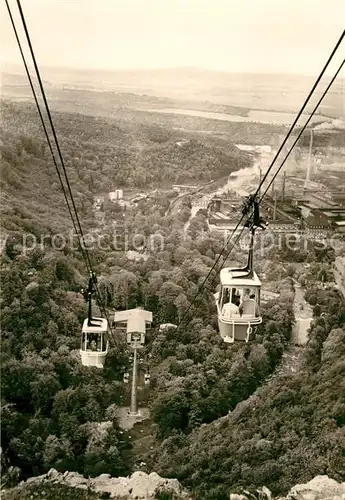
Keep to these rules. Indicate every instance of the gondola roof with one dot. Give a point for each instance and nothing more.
(229, 277)
(102, 325)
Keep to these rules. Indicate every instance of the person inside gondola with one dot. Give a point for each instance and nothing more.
(257, 308)
(249, 305)
(92, 343)
(236, 297)
(231, 308)
(246, 294)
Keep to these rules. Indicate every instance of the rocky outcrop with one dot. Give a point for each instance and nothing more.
(139, 486)
(319, 488)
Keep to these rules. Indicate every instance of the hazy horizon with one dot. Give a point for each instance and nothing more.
(8, 67)
(251, 37)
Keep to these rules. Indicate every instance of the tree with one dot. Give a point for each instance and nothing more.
(167, 295)
(58, 453)
(126, 289)
(312, 300)
(64, 271)
(43, 390)
(181, 303)
(170, 411)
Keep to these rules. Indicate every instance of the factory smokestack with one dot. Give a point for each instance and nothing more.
(310, 160)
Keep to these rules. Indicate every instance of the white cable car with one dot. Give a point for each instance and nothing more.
(126, 378)
(147, 378)
(94, 341)
(94, 344)
(238, 305)
(238, 302)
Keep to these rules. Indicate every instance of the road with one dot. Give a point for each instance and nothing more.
(303, 317)
(339, 274)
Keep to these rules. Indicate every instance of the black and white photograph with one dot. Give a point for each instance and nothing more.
(172, 249)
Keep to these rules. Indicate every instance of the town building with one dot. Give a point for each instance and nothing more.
(314, 217)
(231, 203)
(255, 149)
(98, 202)
(321, 209)
(266, 296)
(99, 216)
(339, 226)
(115, 195)
(138, 198)
(180, 188)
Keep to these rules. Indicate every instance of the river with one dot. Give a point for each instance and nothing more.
(254, 115)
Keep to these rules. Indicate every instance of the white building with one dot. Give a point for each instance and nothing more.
(255, 149)
(116, 195)
(98, 202)
(181, 188)
(266, 296)
(165, 326)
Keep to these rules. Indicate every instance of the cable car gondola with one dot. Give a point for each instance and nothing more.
(94, 342)
(238, 302)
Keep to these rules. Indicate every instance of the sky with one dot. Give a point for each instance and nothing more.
(255, 36)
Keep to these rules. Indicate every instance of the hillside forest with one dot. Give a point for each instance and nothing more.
(57, 413)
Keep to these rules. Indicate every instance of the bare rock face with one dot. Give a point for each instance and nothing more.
(139, 485)
(142, 486)
(319, 488)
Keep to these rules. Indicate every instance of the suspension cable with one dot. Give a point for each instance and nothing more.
(40, 113)
(267, 173)
(304, 126)
(80, 236)
(87, 257)
(52, 124)
(303, 107)
(298, 137)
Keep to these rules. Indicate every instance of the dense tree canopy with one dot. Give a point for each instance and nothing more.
(218, 423)
(289, 431)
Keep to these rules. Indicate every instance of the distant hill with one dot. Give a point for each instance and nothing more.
(100, 154)
(250, 91)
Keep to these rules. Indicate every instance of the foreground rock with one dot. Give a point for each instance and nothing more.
(141, 486)
(319, 488)
(138, 486)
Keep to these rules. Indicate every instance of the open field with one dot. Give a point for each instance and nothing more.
(193, 89)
